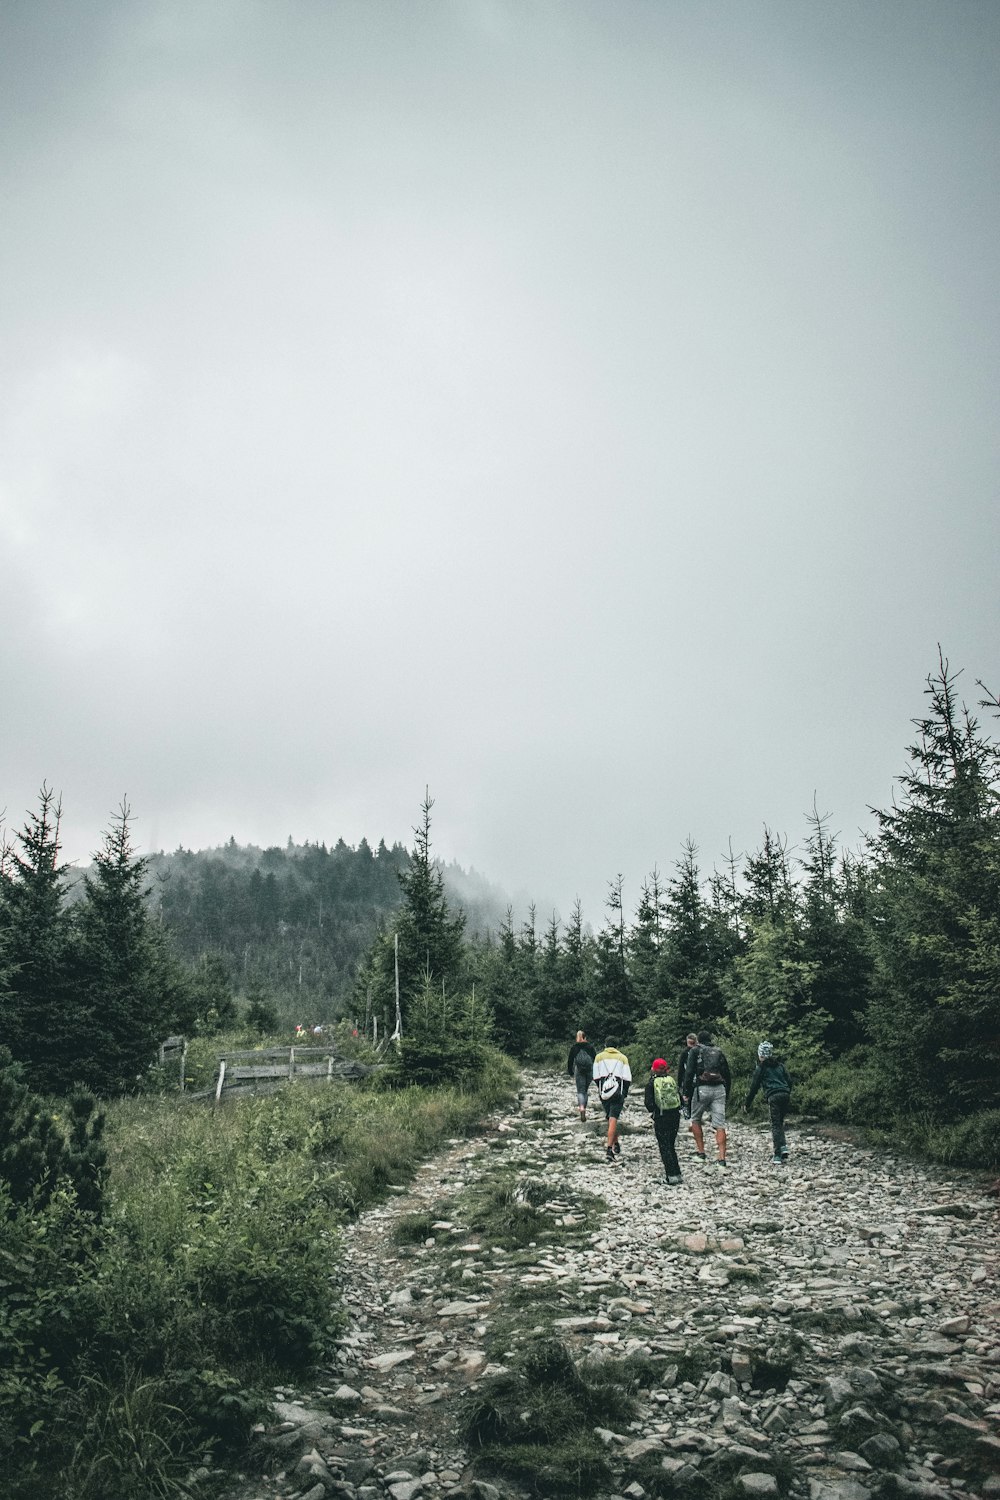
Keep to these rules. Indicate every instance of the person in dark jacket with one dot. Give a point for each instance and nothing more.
(580, 1067)
(666, 1116)
(690, 1043)
(707, 1083)
(770, 1075)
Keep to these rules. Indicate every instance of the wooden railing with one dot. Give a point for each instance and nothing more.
(270, 1065)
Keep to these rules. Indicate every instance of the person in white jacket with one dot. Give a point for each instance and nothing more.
(613, 1078)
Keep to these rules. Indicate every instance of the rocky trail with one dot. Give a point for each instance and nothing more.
(828, 1330)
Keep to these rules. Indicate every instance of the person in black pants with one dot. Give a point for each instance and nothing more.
(690, 1045)
(663, 1101)
(771, 1076)
(581, 1068)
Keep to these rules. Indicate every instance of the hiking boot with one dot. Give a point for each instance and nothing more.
(777, 1161)
(674, 1181)
(721, 1163)
(609, 1157)
(785, 1153)
(701, 1158)
(617, 1149)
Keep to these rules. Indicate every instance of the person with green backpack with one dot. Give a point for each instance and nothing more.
(662, 1099)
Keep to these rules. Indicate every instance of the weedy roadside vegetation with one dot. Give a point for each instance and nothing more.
(144, 1326)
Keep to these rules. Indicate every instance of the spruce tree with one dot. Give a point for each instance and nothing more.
(121, 980)
(42, 1019)
(645, 938)
(688, 972)
(430, 938)
(934, 1017)
(834, 935)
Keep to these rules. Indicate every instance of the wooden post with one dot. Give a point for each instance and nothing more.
(329, 1068)
(184, 1053)
(222, 1079)
(291, 1063)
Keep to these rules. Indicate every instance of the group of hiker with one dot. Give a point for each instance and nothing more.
(697, 1091)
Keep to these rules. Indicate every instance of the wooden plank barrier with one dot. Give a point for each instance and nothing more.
(269, 1065)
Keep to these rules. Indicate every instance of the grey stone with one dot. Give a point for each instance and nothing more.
(758, 1484)
(479, 1489)
(881, 1450)
(385, 1362)
(347, 1395)
(836, 1392)
(837, 1489)
(641, 1448)
(406, 1489)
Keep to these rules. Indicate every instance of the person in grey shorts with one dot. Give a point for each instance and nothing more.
(707, 1082)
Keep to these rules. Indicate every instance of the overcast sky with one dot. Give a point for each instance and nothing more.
(585, 409)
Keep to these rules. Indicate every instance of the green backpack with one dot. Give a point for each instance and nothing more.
(666, 1093)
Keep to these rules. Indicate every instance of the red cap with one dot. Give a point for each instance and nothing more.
(660, 1065)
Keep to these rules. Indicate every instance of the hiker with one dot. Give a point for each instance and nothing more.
(690, 1043)
(581, 1068)
(662, 1099)
(706, 1083)
(613, 1077)
(770, 1075)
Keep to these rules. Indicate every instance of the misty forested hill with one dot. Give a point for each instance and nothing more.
(295, 922)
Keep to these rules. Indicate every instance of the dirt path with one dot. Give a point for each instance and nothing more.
(828, 1330)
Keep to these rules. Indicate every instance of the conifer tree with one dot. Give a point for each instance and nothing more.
(430, 938)
(834, 937)
(578, 970)
(645, 939)
(42, 1021)
(688, 973)
(613, 995)
(119, 971)
(934, 1017)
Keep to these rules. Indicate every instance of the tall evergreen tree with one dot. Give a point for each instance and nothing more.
(613, 996)
(430, 938)
(120, 972)
(934, 1017)
(645, 938)
(834, 937)
(577, 971)
(689, 976)
(42, 1021)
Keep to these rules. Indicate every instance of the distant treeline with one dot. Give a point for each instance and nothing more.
(294, 923)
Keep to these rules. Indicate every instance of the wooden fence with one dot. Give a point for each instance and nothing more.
(265, 1068)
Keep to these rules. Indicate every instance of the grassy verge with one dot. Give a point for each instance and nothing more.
(208, 1280)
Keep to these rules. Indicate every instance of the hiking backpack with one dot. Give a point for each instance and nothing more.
(666, 1093)
(709, 1067)
(583, 1064)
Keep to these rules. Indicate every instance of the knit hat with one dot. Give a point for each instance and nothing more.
(660, 1065)
(764, 1050)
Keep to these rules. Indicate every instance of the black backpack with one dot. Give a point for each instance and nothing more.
(583, 1064)
(709, 1065)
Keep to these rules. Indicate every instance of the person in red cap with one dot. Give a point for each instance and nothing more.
(662, 1099)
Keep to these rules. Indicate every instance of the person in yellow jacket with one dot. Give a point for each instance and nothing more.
(613, 1078)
